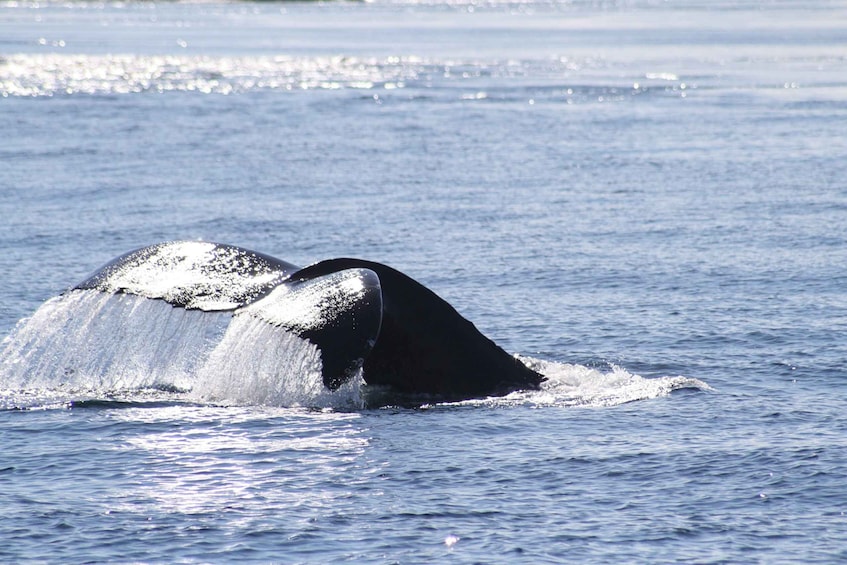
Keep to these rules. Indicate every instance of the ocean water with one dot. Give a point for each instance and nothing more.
(646, 201)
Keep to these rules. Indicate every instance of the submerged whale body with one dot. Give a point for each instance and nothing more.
(359, 314)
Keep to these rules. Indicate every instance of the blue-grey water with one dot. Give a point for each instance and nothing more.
(646, 200)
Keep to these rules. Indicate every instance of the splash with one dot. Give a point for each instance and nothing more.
(577, 385)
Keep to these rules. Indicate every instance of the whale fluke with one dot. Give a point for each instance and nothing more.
(360, 314)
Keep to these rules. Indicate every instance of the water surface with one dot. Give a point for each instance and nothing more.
(623, 193)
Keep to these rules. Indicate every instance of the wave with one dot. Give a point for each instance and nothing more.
(86, 348)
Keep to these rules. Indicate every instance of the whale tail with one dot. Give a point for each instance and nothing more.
(340, 312)
(360, 315)
(425, 346)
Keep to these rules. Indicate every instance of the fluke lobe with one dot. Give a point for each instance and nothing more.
(360, 314)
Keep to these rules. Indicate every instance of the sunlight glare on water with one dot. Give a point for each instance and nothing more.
(240, 444)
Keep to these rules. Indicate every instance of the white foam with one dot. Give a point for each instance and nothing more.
(577, 385)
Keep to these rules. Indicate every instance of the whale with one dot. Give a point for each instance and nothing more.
(364, 317)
